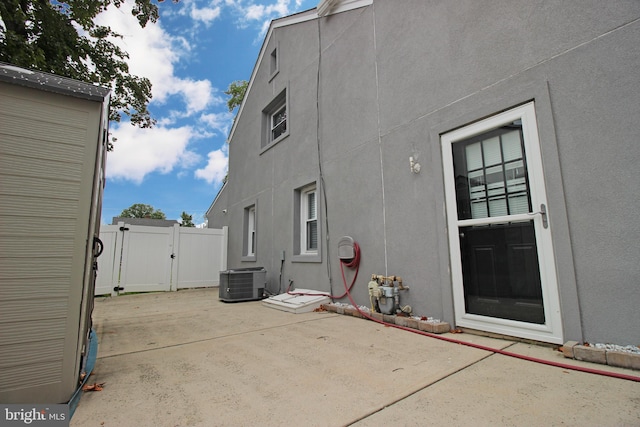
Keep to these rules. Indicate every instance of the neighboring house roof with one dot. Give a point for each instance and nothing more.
(324, 8)
(52, 83)
(150, 222)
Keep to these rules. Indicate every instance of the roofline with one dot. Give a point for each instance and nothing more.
(217, 197)
(55, 83)
(329, 7)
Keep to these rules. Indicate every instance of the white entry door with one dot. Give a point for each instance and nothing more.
(502, 261)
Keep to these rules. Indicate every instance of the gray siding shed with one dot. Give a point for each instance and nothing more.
(53, 135)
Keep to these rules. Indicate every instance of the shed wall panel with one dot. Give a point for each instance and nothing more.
(48, 148)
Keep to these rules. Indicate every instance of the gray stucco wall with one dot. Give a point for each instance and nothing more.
(391, 81)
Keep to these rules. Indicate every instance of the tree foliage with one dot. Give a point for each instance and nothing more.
(140, 210)
(61, 37)
(236, 92)
(187, 220)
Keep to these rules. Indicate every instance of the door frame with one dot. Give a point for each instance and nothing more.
(551, 330)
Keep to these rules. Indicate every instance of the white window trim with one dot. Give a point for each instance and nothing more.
(274, 61)
(304, 220)
(300, 251)
(249, 233)
(275, 106)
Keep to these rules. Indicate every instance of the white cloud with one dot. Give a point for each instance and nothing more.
(198, 94)
(254, 12)
(220, 122)
(152, 54)
(258, 12)
(205, 15)
(139, 152)
(216, 168)
(263, 13)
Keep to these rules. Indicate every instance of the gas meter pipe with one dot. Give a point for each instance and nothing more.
(478, 346)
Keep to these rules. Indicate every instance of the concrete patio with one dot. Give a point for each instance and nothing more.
(186, 359)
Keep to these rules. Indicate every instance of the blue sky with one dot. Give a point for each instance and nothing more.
(191, 55)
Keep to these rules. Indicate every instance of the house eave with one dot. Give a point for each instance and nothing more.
(334, 6)
(216, 199)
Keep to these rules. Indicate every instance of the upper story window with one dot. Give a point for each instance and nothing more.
(275, 121)
(279, 123)
(273, 63)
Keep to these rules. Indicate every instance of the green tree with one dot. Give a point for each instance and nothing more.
(187, 220)
(140, 210)
(61, 37)
(236, 91)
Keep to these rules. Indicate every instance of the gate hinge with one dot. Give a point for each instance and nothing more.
(124, 228)
(118, 289)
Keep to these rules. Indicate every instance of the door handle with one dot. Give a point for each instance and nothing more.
(543, 213)
(98, 247)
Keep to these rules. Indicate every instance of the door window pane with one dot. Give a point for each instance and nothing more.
(491, 150)
(474, 156)
(491, 175)
(511, 147)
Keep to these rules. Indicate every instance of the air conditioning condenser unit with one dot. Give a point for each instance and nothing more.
(244, 284)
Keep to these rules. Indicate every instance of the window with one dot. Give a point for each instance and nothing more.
(273, 70)
(274, 119)
(279, 123)
(249, 234)
(306, 225)
(309, 223)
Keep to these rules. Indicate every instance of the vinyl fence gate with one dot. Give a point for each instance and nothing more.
(138, 258)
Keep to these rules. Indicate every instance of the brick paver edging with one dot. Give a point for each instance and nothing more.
(621, 359)
(408, 322)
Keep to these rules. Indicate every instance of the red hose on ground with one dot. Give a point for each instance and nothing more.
(478, 346)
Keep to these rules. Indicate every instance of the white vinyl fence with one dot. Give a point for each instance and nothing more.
(139, 258)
